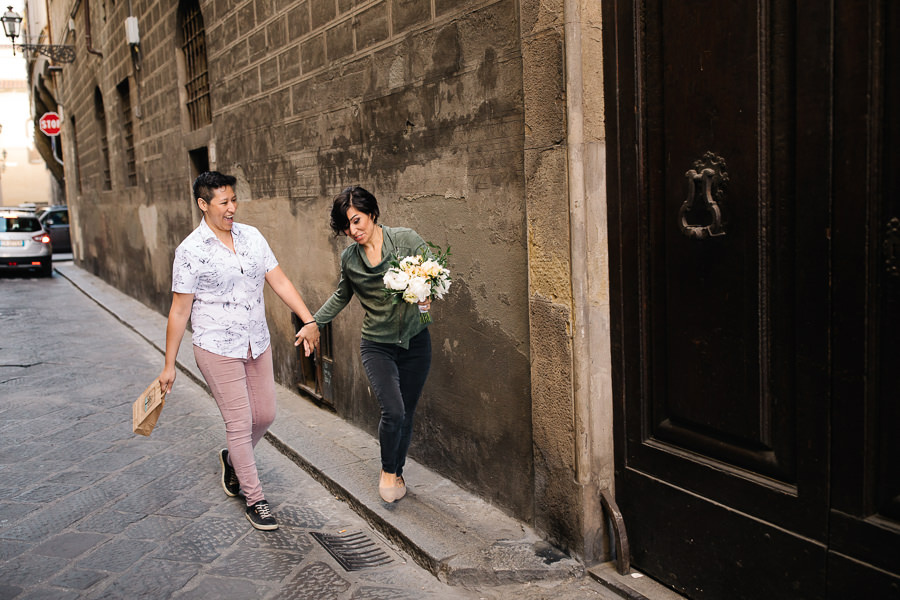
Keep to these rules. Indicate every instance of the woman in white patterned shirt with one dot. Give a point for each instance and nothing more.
(218, 277)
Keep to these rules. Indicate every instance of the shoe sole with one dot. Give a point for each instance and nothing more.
(222, 478)
(261, 527)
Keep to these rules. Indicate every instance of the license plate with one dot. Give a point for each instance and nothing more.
(12, 243)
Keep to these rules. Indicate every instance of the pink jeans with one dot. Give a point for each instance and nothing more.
(244, 389)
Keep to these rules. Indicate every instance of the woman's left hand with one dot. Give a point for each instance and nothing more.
(425, 305)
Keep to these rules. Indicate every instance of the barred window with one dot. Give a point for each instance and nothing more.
(314, 377)
(100, 117)
(128, 132)
(193, 44)
(77, 157)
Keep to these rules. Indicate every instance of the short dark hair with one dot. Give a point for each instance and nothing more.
(208, 182)
(358, 198)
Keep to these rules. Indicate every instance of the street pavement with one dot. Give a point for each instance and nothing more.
(90, 510)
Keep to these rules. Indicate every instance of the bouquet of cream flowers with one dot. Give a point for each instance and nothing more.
(416, 278)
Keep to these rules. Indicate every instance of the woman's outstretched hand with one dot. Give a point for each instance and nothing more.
(309, 337)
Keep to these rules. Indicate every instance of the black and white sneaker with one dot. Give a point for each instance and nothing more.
(260, 516)
(230, 482)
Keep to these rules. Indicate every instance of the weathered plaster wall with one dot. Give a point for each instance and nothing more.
(422, 103)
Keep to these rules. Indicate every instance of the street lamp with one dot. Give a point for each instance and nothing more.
(11, 23)
(59, 53)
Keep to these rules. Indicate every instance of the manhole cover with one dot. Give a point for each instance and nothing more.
(353, 551)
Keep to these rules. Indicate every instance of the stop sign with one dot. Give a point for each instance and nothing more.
(49, 123)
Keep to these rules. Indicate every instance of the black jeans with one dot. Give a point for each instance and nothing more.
(397, 377)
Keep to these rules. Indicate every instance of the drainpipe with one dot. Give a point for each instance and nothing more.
(133, 38)
(49, 28)
(53, 151)
(87, 29)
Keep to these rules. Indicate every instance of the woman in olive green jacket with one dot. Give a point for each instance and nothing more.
(395, 347)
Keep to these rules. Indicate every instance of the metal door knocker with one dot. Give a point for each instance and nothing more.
(707, 180)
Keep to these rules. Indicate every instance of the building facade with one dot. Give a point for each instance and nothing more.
(24, 176)
(608, 338)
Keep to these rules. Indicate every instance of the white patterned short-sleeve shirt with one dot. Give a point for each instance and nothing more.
(228, 314)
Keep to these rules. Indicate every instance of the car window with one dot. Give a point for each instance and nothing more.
(55, 217)
(19, 224)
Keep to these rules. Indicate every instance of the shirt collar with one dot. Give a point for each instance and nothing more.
(207, 234)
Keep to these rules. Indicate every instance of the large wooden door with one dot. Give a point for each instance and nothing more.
(864, 518)
(755, 312)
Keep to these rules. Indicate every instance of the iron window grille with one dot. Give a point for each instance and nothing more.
(100, 115)
(197, 71)
(128, 132)
(77, 157)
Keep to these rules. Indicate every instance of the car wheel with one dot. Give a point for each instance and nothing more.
(47, 269)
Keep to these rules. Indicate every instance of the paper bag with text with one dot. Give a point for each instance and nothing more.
(145, 410)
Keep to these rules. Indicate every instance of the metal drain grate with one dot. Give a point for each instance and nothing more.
(353, 551)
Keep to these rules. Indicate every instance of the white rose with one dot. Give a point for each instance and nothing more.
(441, 287)
(432, 268)
(418, 290)
(410, 261)
(395, 280)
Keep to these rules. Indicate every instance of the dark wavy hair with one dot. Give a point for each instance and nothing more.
(358, 198)
(208, 182)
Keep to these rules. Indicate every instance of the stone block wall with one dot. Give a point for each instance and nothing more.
(557, 497)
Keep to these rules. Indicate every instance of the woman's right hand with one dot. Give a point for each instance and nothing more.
(166, 380)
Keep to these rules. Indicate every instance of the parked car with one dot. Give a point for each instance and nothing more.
(55, 220)
(24, 244)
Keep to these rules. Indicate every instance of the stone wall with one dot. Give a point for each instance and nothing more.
(550, 287)
(420, 102)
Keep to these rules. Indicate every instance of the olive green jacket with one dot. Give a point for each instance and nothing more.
(385, 321)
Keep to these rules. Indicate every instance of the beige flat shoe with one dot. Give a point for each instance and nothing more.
(400, 489)
(387, 492)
